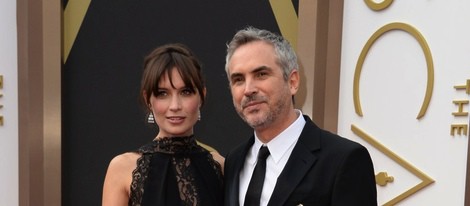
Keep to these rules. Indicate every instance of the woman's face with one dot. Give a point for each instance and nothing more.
(176, 109)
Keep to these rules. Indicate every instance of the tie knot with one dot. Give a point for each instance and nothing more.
(263, 153)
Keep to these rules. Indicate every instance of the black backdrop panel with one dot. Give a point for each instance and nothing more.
(102, 116)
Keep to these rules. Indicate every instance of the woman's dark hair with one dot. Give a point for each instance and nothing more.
(161, 61)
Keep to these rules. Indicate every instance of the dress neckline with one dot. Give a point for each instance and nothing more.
(172, 145)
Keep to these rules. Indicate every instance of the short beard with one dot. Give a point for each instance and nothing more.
(271, 115)
(261, 122)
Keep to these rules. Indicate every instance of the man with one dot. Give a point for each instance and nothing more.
(305, 165)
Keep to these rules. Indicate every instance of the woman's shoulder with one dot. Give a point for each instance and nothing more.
(123, 163)
(125, 158)
(119, 177)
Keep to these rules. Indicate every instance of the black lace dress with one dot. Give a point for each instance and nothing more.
(176, 171)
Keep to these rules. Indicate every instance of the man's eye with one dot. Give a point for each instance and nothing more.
(261, 74)
(236, 80)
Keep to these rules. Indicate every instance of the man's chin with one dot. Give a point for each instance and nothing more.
(255, 122)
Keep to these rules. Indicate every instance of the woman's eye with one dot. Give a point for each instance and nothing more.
(161, 94)
(187, 92)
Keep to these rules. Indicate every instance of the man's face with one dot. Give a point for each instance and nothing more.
(261, 96)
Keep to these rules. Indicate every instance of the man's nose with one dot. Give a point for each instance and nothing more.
(250, 87)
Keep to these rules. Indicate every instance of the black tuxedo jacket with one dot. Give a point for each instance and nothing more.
(323, 169)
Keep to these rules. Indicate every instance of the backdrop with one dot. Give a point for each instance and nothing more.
(102, 116)
(405, 88)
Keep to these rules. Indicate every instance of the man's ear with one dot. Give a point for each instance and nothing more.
(294, 81)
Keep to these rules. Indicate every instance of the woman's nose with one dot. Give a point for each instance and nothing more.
(175, 103)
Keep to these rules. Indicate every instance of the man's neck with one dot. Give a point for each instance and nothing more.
(268, 132)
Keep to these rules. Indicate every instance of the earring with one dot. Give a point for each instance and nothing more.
(150, 118)
(198, 115)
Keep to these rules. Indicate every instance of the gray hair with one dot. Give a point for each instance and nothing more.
(286, 57)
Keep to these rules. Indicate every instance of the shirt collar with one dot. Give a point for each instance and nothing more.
(282, 142)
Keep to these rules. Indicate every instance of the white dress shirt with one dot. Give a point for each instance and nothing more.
(280, 149)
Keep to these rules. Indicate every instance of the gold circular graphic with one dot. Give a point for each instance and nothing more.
(378, 6)
(427, 54)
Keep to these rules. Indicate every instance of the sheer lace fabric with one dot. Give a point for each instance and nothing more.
(185, 163)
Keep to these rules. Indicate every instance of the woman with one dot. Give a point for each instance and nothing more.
(173, 169)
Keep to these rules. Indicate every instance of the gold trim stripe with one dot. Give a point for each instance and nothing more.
(73, 17)
(207, 147)
(286, 19)
(425, 180)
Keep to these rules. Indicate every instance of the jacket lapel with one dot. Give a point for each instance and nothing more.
(299, 163)
(237, 167)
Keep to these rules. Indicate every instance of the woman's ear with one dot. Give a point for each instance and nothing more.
(144, 95)
(203, 97)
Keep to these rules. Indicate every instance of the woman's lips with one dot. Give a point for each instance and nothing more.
(175, 119)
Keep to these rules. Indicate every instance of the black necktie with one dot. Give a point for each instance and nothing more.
(253, 194)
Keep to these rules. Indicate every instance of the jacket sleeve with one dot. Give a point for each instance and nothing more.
(355, 181)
